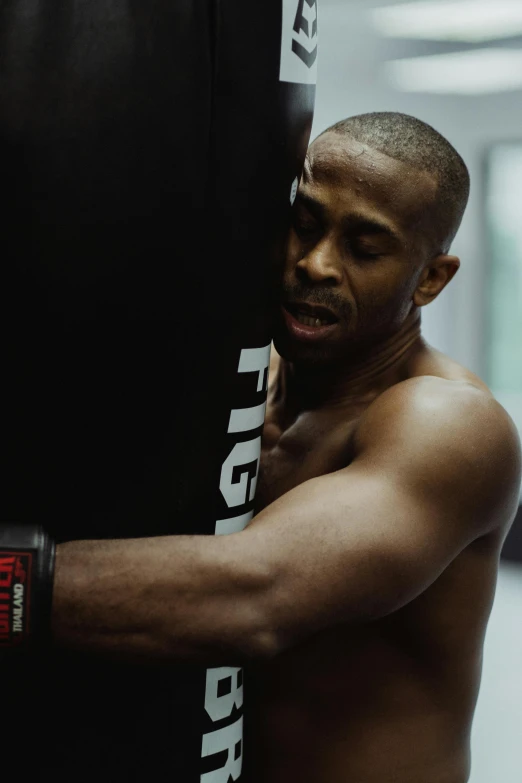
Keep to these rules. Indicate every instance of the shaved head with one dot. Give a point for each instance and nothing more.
(379, 203)
(420, 147)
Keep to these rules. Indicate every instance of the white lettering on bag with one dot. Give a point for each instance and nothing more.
(239, 473)
(218, 706)
(230, 739)
(299, 42)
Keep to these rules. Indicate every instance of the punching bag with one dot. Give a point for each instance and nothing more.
(150, 151)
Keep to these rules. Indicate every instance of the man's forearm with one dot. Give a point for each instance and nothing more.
(183, 598)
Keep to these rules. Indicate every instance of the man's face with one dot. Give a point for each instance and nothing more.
(357, 247)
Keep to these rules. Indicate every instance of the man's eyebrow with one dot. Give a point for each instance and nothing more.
(358, 222)
(365, 225)
(317, 208)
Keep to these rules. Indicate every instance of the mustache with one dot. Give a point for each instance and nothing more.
(299, 292)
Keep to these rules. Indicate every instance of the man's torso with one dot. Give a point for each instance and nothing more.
(390, 700)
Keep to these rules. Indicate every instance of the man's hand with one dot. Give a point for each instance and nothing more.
(437, 465)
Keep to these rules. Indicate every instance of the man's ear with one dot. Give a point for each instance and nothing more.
(434, 278)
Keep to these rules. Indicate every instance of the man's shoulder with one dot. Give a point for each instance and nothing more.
(442, 394)
(447, 435)
(435, 412)
(430, 399)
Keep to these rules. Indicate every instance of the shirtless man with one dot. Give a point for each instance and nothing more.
(361, 592)
(419, 472)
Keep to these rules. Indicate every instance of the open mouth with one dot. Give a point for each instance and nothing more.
(309, 323)
(310, 315)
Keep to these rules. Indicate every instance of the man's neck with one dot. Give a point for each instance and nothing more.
(358, 379)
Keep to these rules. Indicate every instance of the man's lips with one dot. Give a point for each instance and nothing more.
(306, 311)
(309, 323)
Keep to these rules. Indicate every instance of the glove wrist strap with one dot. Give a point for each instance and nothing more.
(27, 557)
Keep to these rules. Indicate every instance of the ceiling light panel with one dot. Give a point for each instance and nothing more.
(475, 72)
(471, 21)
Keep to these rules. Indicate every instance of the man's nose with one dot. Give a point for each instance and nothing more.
(321, 264)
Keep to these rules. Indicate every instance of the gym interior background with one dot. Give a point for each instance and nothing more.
(457, 64)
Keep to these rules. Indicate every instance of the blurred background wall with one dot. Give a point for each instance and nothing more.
(472, 94)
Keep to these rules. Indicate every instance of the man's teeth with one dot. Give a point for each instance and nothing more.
(307, 321)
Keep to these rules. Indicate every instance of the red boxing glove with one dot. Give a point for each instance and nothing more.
(27, 556)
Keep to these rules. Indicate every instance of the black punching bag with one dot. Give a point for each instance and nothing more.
(149, 152)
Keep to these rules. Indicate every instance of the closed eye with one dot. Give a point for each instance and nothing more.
(365, 253)
(305, 228)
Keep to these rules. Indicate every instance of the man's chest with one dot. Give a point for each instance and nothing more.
(315, 444)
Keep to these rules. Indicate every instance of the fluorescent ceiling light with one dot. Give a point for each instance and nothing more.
(472, 21)
(473, 72)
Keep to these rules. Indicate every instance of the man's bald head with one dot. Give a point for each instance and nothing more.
(421, 147)
(379, 203)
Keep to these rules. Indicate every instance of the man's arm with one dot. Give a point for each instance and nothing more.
(437, 465)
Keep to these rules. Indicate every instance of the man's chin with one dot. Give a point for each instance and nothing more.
(298, 353)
